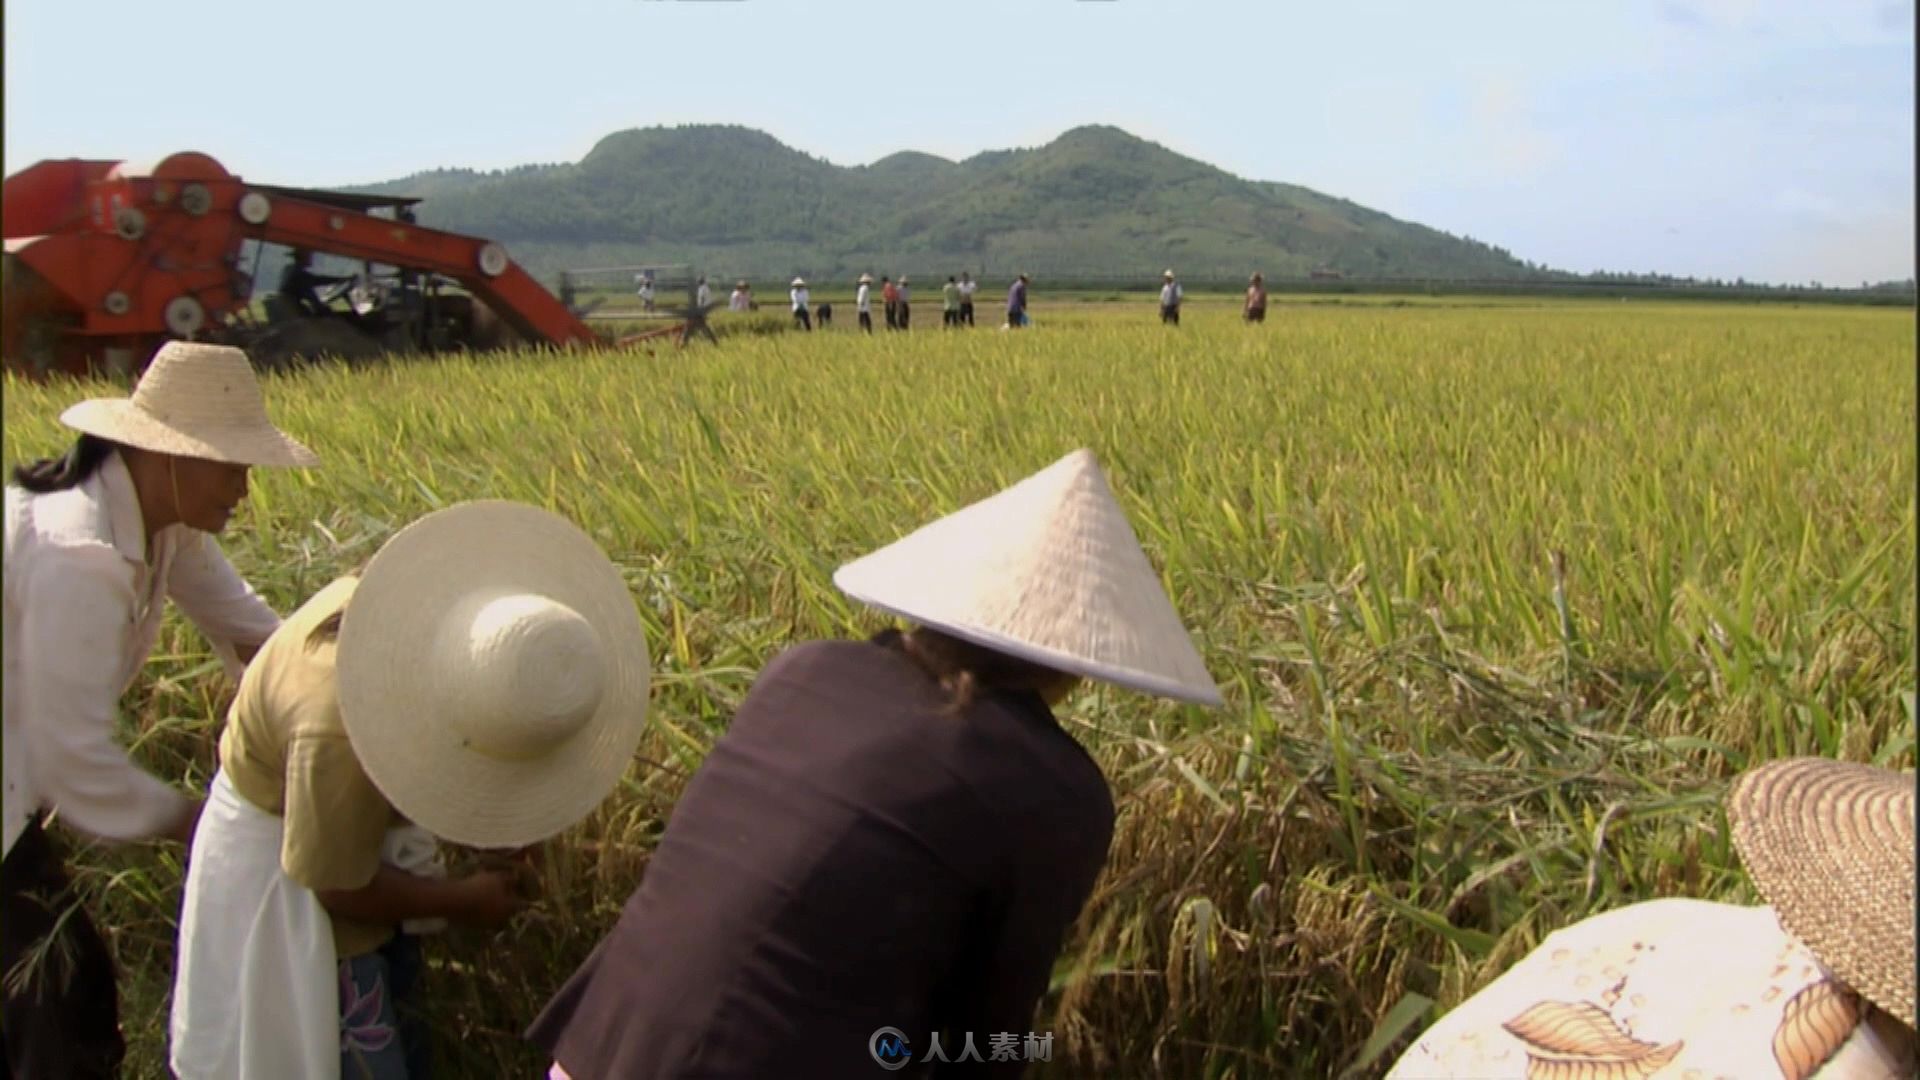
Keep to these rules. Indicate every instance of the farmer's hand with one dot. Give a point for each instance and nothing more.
(488, 898)
(186, 824)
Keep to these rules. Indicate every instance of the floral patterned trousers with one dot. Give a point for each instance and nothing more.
(382, 1035)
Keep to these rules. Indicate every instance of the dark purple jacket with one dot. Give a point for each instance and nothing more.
(849, 857)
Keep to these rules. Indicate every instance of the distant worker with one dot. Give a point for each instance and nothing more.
(1256, 310)
(646, 293)
(1017, 303)
(300, 285)
(890, 297)
(906, 296)
(950, 303)
(863, 302)
(967, 286)
(1169, 299)
(800, 296)
(697, 318)
(742, 298)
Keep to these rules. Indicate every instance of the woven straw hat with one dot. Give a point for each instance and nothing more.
(493, 673)
(797, 282)
(1048, 570)
(198, 401)
(865, 279)
(1830, 846)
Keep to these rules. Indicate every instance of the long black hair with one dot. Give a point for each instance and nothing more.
(59, 474)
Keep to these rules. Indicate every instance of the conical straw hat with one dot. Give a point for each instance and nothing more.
(1048, 570)
(1830, 846)
(493, 673)
(194, 400)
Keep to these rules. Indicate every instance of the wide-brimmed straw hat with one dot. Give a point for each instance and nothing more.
(797, 282)
(865, 279)
(1048, 570)
(1830, 846)
(198, 401)
(493, 673)
(1168, 274)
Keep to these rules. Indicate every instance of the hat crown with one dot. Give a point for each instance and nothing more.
(202, 387)
(527, 671)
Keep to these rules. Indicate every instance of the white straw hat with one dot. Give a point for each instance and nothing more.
(1048, 570)
(1663, 988)
(865, 279)
(198, 401)
(1830, 845)
(493, 673)
(799, 282)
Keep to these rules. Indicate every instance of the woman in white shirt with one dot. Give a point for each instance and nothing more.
(863, 302)
(96, 542)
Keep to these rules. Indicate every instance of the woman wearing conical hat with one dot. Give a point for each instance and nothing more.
(97, 542)
(893, 833)
(484, 679)
(1818, 982)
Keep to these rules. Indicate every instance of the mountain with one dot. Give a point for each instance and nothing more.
(1095, 201)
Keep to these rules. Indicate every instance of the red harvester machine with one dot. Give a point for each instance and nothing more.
(105, 264)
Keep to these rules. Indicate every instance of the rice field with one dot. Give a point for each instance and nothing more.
(1500, 594)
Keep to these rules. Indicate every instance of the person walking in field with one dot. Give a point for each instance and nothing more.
(905, 295)
(863, 302)
(97, 542)
(967, 287)
(810, 889)
(800, 297)
(950, 303)
(1169, 299)
(890, 299)
(483, 681)
(1256, 306)
(1017, 303)
(1818, 981)
(646, 293)
(702, 295)
(742, 298)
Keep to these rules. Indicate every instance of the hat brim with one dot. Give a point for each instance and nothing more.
(121, 421)
(1127, 678)
(1830, 846)
(402, 731)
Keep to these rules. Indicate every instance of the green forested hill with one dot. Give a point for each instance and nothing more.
(1096, 200)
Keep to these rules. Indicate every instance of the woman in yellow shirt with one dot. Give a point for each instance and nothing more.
(484, 679)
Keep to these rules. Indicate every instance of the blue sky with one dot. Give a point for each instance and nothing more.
(1770, 140)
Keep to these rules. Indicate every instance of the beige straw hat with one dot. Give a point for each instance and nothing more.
(493, 673)
(1830, 846)
(797, 282)
(865, 279)
(1048, 570)
(198, 401)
